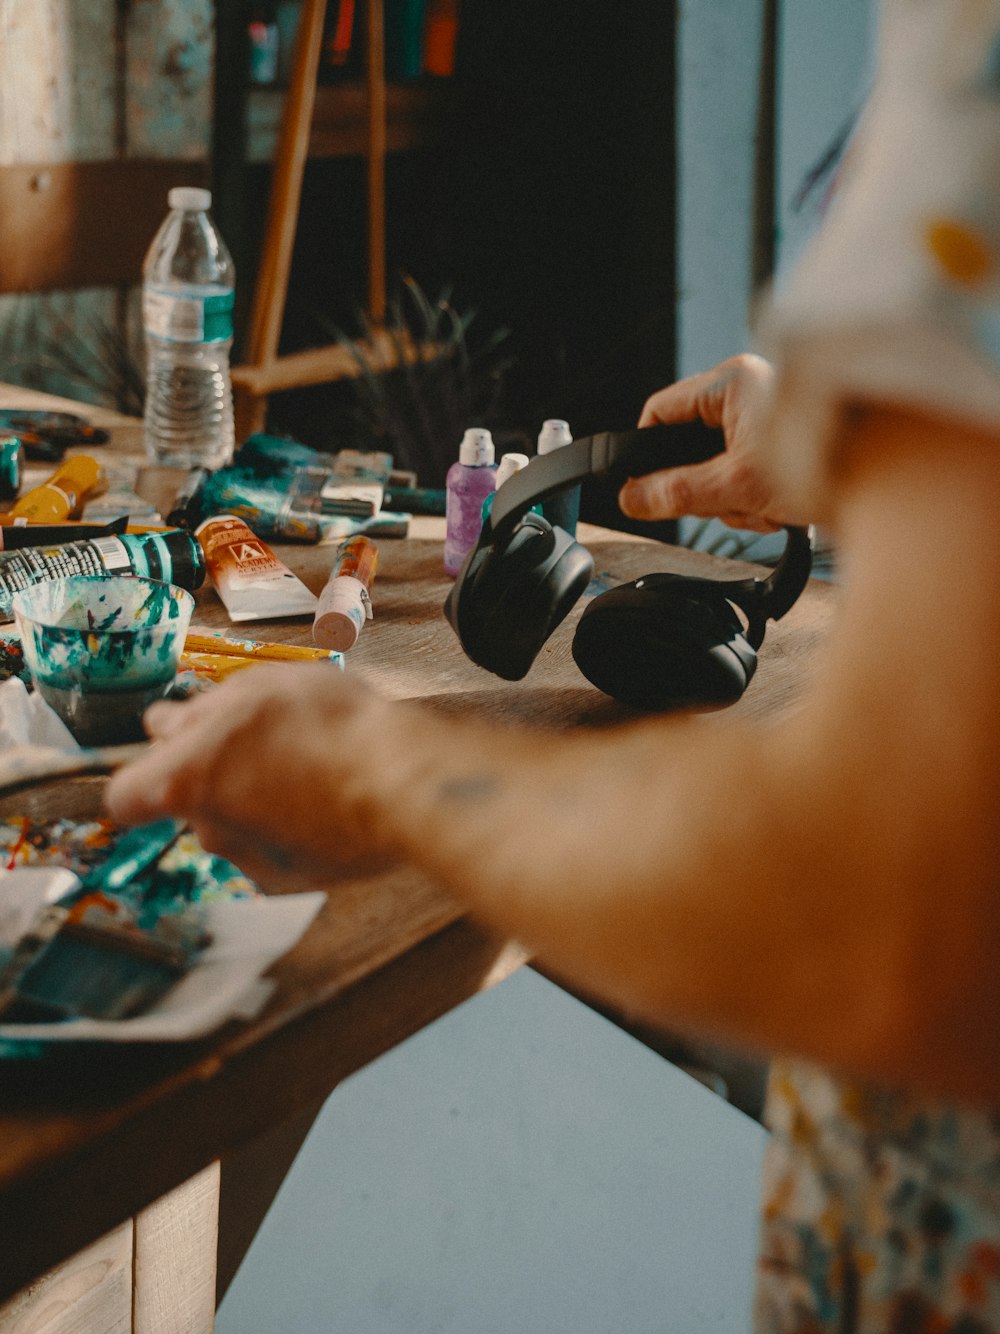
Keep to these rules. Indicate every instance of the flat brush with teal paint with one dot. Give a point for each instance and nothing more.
(110, 949)
(136, 854)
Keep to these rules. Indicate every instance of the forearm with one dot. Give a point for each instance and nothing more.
(692, 871)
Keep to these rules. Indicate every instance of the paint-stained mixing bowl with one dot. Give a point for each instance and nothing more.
(102, 648)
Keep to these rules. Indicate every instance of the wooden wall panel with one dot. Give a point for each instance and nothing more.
(72, 224)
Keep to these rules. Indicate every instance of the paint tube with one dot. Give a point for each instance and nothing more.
(279, 507)
(283, 491)
(172, 557)
(345, 604)
(415, 499)
(50, 534)
(186, 509)
(62, 495)
(252, 582)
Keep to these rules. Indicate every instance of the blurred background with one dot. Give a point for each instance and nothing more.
(578, 200)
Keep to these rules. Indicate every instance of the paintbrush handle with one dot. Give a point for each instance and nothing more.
(231, 648)
(32, 766)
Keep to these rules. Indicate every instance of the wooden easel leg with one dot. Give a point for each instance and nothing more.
(249, 412)
(271, 289)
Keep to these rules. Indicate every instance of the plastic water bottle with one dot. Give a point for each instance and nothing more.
(470, 480)
(187, 311)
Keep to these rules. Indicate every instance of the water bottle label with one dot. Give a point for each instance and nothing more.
(219, 317)
(188, 319)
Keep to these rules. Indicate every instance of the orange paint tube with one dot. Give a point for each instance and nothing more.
(345, 604)
(252, 582)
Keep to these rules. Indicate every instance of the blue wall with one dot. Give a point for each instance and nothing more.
(822, 74)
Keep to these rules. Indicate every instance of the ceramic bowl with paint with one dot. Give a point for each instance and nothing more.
(101, 648)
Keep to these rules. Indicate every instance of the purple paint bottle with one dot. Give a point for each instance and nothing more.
(467, 485)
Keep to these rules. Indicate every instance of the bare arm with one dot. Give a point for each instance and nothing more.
(826, 886)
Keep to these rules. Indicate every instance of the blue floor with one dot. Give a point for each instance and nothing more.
(520, 1167)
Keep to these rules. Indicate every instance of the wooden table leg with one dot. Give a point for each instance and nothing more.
(175, 1249)
(88, 1294)
(153, 1275)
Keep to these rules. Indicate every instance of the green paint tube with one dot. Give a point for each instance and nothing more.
(173, 557)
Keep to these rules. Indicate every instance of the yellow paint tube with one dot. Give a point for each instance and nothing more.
(62, 495)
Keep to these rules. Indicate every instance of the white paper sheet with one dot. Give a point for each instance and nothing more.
(248, 935)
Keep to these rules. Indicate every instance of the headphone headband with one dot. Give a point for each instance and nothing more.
(616, 455)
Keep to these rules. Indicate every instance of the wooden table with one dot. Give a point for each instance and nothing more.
(95, 1138)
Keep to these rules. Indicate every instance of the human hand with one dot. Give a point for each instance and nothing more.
(261, 767)
(732, 486)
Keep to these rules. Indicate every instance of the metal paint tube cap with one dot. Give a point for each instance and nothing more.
(344, 606)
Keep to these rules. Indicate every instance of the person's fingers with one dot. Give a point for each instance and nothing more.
(700, 489)
(697, 396)
(137, 792)
(164, 717)
(162, 781)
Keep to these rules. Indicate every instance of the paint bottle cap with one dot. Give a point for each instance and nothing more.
(553, 435)
(476, 449)
(11, 466)
(175, 557)
(189, 198)
(510, 464)
(344, 606)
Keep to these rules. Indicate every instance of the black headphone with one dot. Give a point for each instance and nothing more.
(664, 641)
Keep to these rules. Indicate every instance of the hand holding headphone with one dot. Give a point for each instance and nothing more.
(664, 641)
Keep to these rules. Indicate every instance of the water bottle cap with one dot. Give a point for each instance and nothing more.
(510, 464)
(189, 198)
(476, 449)
(553, 435)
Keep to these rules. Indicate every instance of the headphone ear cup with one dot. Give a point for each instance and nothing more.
(665, 642)
(515, 594)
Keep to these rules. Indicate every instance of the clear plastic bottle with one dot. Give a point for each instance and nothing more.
(470, 480)
(563, 509)
(187, 308)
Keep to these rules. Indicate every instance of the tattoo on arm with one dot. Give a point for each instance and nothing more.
(470, 789)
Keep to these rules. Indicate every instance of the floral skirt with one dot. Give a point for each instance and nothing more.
(880, 1212)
